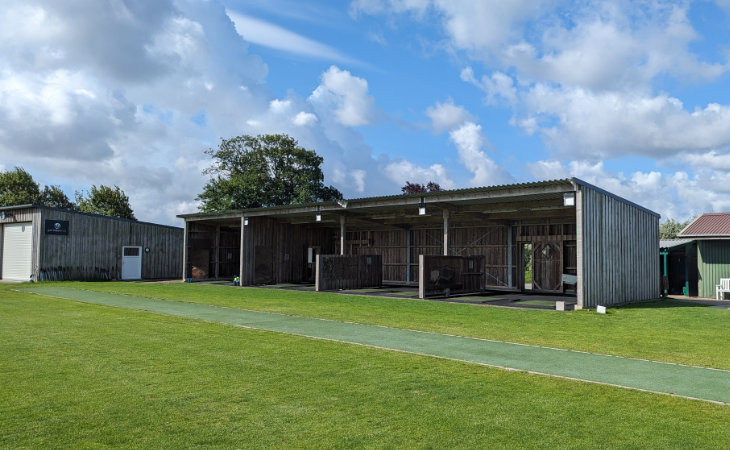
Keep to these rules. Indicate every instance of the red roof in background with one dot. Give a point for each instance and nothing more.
(709, 224)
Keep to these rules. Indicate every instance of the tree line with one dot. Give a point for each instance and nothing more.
(17, 187)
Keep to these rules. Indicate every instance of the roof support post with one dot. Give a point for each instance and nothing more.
(342, 235)
(184, 253)
(240, 260)
(217, 251)
(580, 276)
(446, 232)
(408, 255)
(509, 255)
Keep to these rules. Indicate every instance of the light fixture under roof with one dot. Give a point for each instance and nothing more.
(569, 199)
(318, 216)
(422, 207)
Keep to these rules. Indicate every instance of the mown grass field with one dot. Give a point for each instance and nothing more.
(80, 375)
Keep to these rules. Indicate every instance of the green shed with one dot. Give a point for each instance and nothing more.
(711, 233)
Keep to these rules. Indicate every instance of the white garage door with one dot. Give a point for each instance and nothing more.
(17, 251)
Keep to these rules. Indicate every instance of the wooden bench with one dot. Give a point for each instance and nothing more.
(722, 288)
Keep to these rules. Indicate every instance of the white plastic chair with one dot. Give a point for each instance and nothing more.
(722, 288)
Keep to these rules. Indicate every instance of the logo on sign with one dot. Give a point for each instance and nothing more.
(57, 227)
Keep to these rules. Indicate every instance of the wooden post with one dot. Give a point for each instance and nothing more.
(217, 251)
(316, 273)
(240, 261)
(446, 232)
(509, 255)
(421, 278)
(579, 289)
(184, 255)
(342, 235)
(408, 255)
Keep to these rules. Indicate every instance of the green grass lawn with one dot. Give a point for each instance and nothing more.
(80, 375)
(663, 330)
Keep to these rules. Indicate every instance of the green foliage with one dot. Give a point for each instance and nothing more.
(17, 187)
(266, 170)
(670, 228)
(54, 197)
(105, 201)
(417, 188)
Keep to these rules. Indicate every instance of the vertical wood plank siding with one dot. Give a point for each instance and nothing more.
(336, 272)
(283, 248)
(92, 250)
(713, 263)
(619, 244)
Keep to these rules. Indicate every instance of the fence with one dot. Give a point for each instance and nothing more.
(335, 272)
(449, 275)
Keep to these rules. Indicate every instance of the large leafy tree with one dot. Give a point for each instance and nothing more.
(105, 201)
(265, 170)
(17, 187)
(53, 196)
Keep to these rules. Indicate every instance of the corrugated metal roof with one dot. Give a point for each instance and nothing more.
(467, 191)
(671, 243)
(570, 184)
(708, 224)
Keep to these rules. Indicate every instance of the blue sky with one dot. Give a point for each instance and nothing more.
(631, 96)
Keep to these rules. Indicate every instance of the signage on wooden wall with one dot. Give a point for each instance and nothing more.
(57, 227)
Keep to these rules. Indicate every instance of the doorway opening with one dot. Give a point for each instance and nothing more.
(527, 266)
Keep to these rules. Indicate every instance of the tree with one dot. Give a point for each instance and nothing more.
(54, 197)
(17, 187)
(670, 228)
(417, 188)
(105, 201)
(266, 170)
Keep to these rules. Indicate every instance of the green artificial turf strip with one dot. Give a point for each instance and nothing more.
(538, 302)
(79, 375)
(663, 330)
(693, 382)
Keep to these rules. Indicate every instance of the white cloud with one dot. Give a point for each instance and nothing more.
(469, 142)
(498, 87)
(346, 96)
(711, 159)
(358, 176)
(267, 34)
(446, 116)
(305, 119)
(401, 171)
(580, 122)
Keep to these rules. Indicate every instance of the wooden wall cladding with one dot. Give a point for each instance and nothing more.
(337, 272)
(92, 250)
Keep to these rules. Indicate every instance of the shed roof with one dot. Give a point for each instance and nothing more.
(671, 243)
(72, 211)
(708, 225)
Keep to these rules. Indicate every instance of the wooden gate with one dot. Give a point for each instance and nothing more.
(547, 260)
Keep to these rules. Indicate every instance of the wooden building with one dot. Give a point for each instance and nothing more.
(39, 243)
(561, 236)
